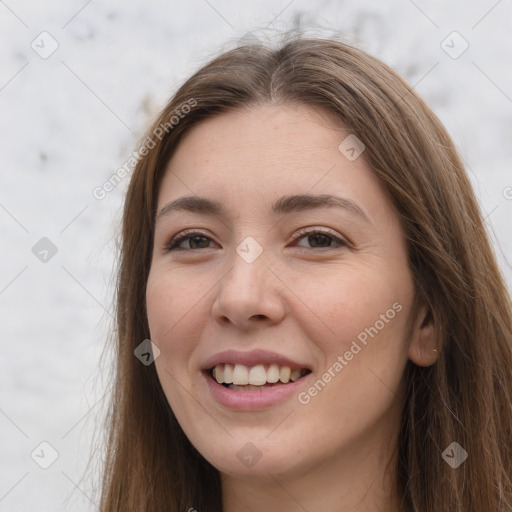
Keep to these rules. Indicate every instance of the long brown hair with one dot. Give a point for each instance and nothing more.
(465, 397)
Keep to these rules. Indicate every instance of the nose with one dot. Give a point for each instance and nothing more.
(249, 295)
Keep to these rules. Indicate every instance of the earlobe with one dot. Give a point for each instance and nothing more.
(424, 345)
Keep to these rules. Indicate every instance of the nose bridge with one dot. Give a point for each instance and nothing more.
(248, 290)
(248, 268)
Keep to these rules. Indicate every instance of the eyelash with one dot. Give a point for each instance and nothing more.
(173, 245)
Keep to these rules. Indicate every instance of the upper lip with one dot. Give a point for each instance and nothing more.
(252, 358)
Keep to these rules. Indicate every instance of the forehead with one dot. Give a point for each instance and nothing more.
(263, 152)
(260, 133)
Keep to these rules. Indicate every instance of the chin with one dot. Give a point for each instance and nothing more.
(255, 457)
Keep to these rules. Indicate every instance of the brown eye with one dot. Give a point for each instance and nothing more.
(320, 239)
(190, 241)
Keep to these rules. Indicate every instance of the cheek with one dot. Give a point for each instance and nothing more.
(345, 304)
(360, 327)
(173, 303)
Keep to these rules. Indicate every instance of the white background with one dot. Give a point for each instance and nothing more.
(69, 121)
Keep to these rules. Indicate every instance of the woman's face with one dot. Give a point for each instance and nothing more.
(258, 274)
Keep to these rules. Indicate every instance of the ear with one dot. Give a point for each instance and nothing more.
(425, 345)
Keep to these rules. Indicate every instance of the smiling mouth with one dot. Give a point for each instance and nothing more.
(240, 377)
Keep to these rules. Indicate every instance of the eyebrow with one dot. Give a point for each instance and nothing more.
(283, 206)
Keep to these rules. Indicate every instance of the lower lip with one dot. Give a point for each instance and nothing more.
(252, 400)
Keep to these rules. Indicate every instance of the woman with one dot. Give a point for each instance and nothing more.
(329, 328)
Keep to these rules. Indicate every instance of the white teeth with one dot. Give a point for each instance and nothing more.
(219, 374)
(284, 374)
(273, 373)
(228, 373)
(257, 375)
(240, 374)
(295, 375)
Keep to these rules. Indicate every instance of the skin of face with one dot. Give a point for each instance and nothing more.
(306, 297)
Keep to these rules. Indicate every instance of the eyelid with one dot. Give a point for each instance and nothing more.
(183, 235)
(313, 230)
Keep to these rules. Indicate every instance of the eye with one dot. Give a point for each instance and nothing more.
(320, 239)
(192, 239)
